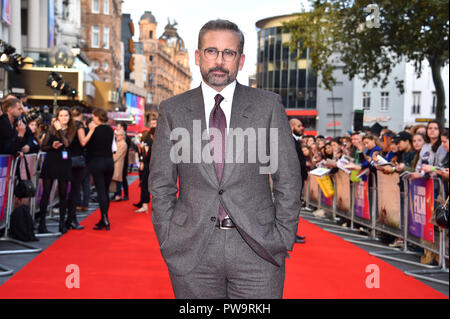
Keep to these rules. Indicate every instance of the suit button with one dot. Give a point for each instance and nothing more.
(213, 219)
(221, 192)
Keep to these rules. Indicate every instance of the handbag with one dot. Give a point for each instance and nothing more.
(441, 214)
(78, 161)
(24, 188)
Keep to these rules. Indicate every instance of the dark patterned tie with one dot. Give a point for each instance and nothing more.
(217, 120)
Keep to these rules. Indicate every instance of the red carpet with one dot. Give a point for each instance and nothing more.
(126, 263)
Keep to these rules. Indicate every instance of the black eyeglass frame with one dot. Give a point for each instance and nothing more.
(235, 54)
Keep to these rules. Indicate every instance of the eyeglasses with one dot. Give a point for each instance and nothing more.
(227, 54)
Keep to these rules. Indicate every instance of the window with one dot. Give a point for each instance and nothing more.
(416, 102)
(106, 38)
(384, 105)
(105, 66)
(433, 103)
(94, 65)
(105, 6)
(335, 99)
(151, 34)
(95, 6)
(95, 36)
(366, 100)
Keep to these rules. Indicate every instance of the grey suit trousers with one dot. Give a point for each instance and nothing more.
(229, 268)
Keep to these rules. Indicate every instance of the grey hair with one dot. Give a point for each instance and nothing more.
(220, 25)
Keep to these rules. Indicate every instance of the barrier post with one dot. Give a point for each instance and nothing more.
(9, 208)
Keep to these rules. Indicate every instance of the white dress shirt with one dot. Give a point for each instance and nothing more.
(208, 98)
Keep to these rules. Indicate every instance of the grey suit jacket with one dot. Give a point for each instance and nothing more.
(186, 195)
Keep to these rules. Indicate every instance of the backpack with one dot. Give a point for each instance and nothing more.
(21, 226)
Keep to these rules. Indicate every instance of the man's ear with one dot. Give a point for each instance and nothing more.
(197, 57)
(241, 61)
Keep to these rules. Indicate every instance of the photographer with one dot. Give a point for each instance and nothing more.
(12, 130)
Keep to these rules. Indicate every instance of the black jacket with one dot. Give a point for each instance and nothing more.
(301, 159)
(10, 142)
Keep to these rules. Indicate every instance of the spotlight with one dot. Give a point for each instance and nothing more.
(68, 90)
(10, 60)
(55, 81)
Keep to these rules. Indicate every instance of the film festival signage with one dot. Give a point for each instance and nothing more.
(362, 199)
(421, 206)
(5, 163)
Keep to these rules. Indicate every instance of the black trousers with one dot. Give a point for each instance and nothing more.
(102, 170)
(78, 175)
(62, 193)
(124, 178)
(145, 195)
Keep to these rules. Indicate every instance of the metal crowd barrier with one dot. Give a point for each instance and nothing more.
(383, 209)
(8, 209)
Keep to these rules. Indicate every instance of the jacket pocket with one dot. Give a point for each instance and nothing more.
(266, 215)
(179, 218)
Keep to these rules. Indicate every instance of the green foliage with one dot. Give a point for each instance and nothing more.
(410, 30)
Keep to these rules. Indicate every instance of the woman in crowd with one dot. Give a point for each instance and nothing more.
(79, 168)
(119, 161)
(308, 157)
(432, 153)
(327, 151)
(32, 145)
(443, 171)
(100, 161)
(145, 148)
(431, 157)
(419, 128)
(371, 153)
(83, 200)
(57, 165)
(418, 140)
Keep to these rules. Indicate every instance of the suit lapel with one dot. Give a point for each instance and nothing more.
(197, 107)
(240, 118)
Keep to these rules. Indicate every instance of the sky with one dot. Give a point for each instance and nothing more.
(192, 15)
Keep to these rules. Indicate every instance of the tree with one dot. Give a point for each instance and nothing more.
(371, 37)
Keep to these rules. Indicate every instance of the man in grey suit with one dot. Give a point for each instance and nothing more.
(221, 233)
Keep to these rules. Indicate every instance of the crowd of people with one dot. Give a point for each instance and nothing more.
(80, 150)
(421, 150)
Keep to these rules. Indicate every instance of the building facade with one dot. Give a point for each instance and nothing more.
(101, 27)
(167, 61)
(331, 113)
(279, 71)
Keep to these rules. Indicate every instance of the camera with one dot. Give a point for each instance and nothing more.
(33, 114)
